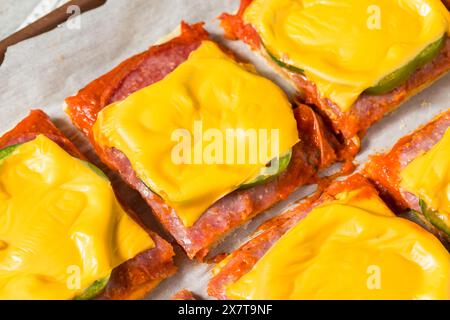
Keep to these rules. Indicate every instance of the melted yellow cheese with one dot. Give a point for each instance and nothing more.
(212, 90)
(351, 248)
(428, 177)
(61, 227)
(347, 46)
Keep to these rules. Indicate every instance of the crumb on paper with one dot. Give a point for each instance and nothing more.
(425, 103)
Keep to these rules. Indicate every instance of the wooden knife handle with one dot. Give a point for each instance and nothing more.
(47, 23)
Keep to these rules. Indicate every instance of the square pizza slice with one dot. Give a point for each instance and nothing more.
(64, 235)
(346, 244)
(207, 142)
(355, 60)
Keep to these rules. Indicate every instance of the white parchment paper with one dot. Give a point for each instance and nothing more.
(41, 72)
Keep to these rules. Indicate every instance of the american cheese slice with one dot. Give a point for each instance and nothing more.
(428, 177)
(352, 248)
(204, 97)
(347, 46)
(61, 227)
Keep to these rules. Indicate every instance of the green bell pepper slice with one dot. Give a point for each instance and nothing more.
(93, 290)
(433, 217)
(400, 76)
(392, 80)
(6, 152)
(266, 175)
